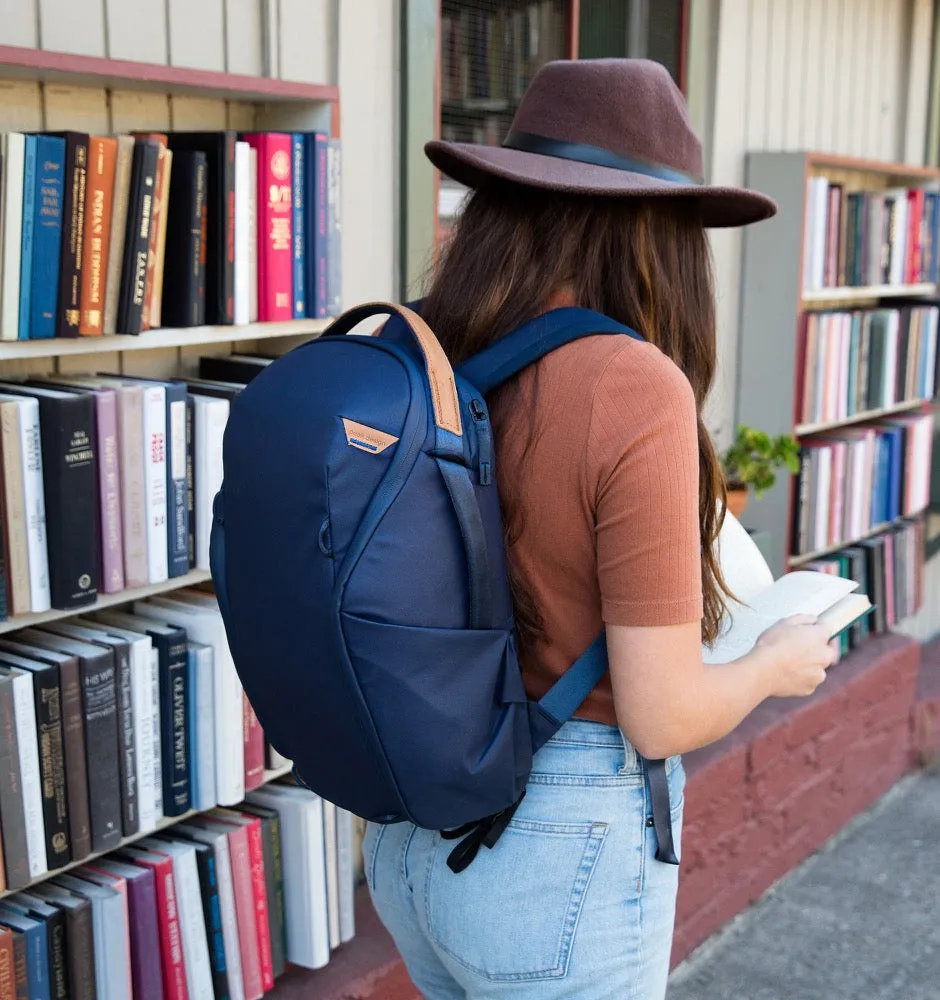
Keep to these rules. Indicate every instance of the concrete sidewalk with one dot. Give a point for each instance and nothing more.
(859, 920)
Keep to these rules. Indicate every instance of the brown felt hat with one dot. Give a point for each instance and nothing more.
(616, 127)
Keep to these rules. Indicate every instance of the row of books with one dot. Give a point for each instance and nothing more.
(859, 238)
(103, 235)
(489, 57)
(852, 482)
(211, 909)
(889, 568)
(865, 360)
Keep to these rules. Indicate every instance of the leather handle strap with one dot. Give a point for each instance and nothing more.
(444, 397)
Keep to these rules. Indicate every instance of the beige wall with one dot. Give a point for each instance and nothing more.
(843, 76)
(353, 43)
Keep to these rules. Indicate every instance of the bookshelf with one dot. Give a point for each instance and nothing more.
(807, 281)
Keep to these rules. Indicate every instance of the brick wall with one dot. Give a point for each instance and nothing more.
(757, 803)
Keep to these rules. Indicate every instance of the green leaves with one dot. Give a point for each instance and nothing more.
(754, 457)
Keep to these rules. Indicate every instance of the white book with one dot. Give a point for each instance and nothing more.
(204, 625)
(141, 707)
(345, 839)
(35, 502)
(155, 496)
(930, 332)
(15, 540)
(305, 904)
(253, 235)
(192, 922)
(211, 416)
(242, 233)
(204, 700)
(146, 667)
(27, 742)
(762, 601)
(331, 853)
(223, 873)
(820, 230)
(898, 258)
(824, 472)
(11, 227)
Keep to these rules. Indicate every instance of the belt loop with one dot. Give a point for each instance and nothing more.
(631, 759)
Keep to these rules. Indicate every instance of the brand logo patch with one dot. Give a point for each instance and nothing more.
(367, 438)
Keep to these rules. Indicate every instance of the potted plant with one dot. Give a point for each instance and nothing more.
(752, 462)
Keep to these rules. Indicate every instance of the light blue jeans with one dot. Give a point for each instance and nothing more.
(570, 904)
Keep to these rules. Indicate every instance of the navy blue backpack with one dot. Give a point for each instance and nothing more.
(357, 555)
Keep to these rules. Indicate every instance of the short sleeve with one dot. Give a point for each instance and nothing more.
(641, 467)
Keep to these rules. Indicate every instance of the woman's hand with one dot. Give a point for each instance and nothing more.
(797, 653)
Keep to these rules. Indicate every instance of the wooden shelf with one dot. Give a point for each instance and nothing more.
(151, 340)
(163, 824)
(64, 67)
(107, 601)
(805, 430)
(832, 161)
(802, 560)
(865, 293)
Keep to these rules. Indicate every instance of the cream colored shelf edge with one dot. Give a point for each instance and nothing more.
(862, 293)
(805, 430)
(108, 601)
(163, 824)
(152, 340)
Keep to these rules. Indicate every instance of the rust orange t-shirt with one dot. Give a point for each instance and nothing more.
(600, 440)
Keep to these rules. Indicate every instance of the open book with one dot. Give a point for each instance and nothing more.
(764, 601)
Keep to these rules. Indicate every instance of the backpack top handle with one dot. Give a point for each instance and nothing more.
(444, 396)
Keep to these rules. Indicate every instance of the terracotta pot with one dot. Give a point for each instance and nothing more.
(737, 500)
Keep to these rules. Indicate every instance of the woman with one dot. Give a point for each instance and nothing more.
(612, 497)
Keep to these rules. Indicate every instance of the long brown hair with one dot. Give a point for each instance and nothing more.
(644, 262)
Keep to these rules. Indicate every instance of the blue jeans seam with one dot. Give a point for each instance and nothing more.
(580, 781)
(370, 867)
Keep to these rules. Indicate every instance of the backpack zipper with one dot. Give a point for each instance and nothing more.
(484, 442)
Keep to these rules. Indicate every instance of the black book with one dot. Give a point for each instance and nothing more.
(39, 909)
(184, 269)
(137, 236)
(219, 148)
(875, 548)
(12, 810)
(273, 881)
(237, 368)
(55, 812)
(68, 312)
(125, 714)
(70, 480)
(99, 701)
(903, 350)
(79, 938)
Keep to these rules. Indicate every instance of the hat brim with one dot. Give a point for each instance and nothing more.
(470, 164)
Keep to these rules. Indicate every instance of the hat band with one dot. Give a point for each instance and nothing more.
(529, 142)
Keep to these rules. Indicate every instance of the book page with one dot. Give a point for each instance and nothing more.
(745, 570)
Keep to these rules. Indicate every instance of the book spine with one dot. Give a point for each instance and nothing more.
(178, 528)
(144, 927)
(156, 705)
(40, 596)
(280, 908)
(246, 913)
(14, 510)
(142, 697)
(228, 242)
(137, 242)
(321, 244)
(11, 232)
(274, 224)
(171, 941)
(58, 959)
(12, 809)
(123, 169)
(156, 302)
(51, 758)
(212, 912)
(252, 235)
(27, 740)
(159, 193)
(102, 159)
(21, 966)
(47, 235)
(174, 716)
(259, 890)
(29, 227)
(298, 230)
(242, 229)
(191, 480)
(80, 947)
(155, 478)
(204, 744)
(75, 759)
(134, 515)
(192, 737)
(112, 549)
(334, 229)
(127, 741)
(71, 487)
(254, 747)
(7, 966)
(70, 277)
(278, 957)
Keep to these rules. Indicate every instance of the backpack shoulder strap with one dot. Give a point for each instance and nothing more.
(533, 340)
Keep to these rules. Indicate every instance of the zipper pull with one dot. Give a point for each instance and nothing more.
(484, 442)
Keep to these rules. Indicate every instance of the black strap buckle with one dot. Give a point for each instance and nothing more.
(481, 833)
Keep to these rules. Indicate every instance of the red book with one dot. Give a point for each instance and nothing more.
(254, 746)
(275, 256)
(171, 942)
(245, 911)
(915, 235)
(833, 231)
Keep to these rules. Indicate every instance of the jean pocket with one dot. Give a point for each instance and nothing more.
(371, 842)
(513, 914)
